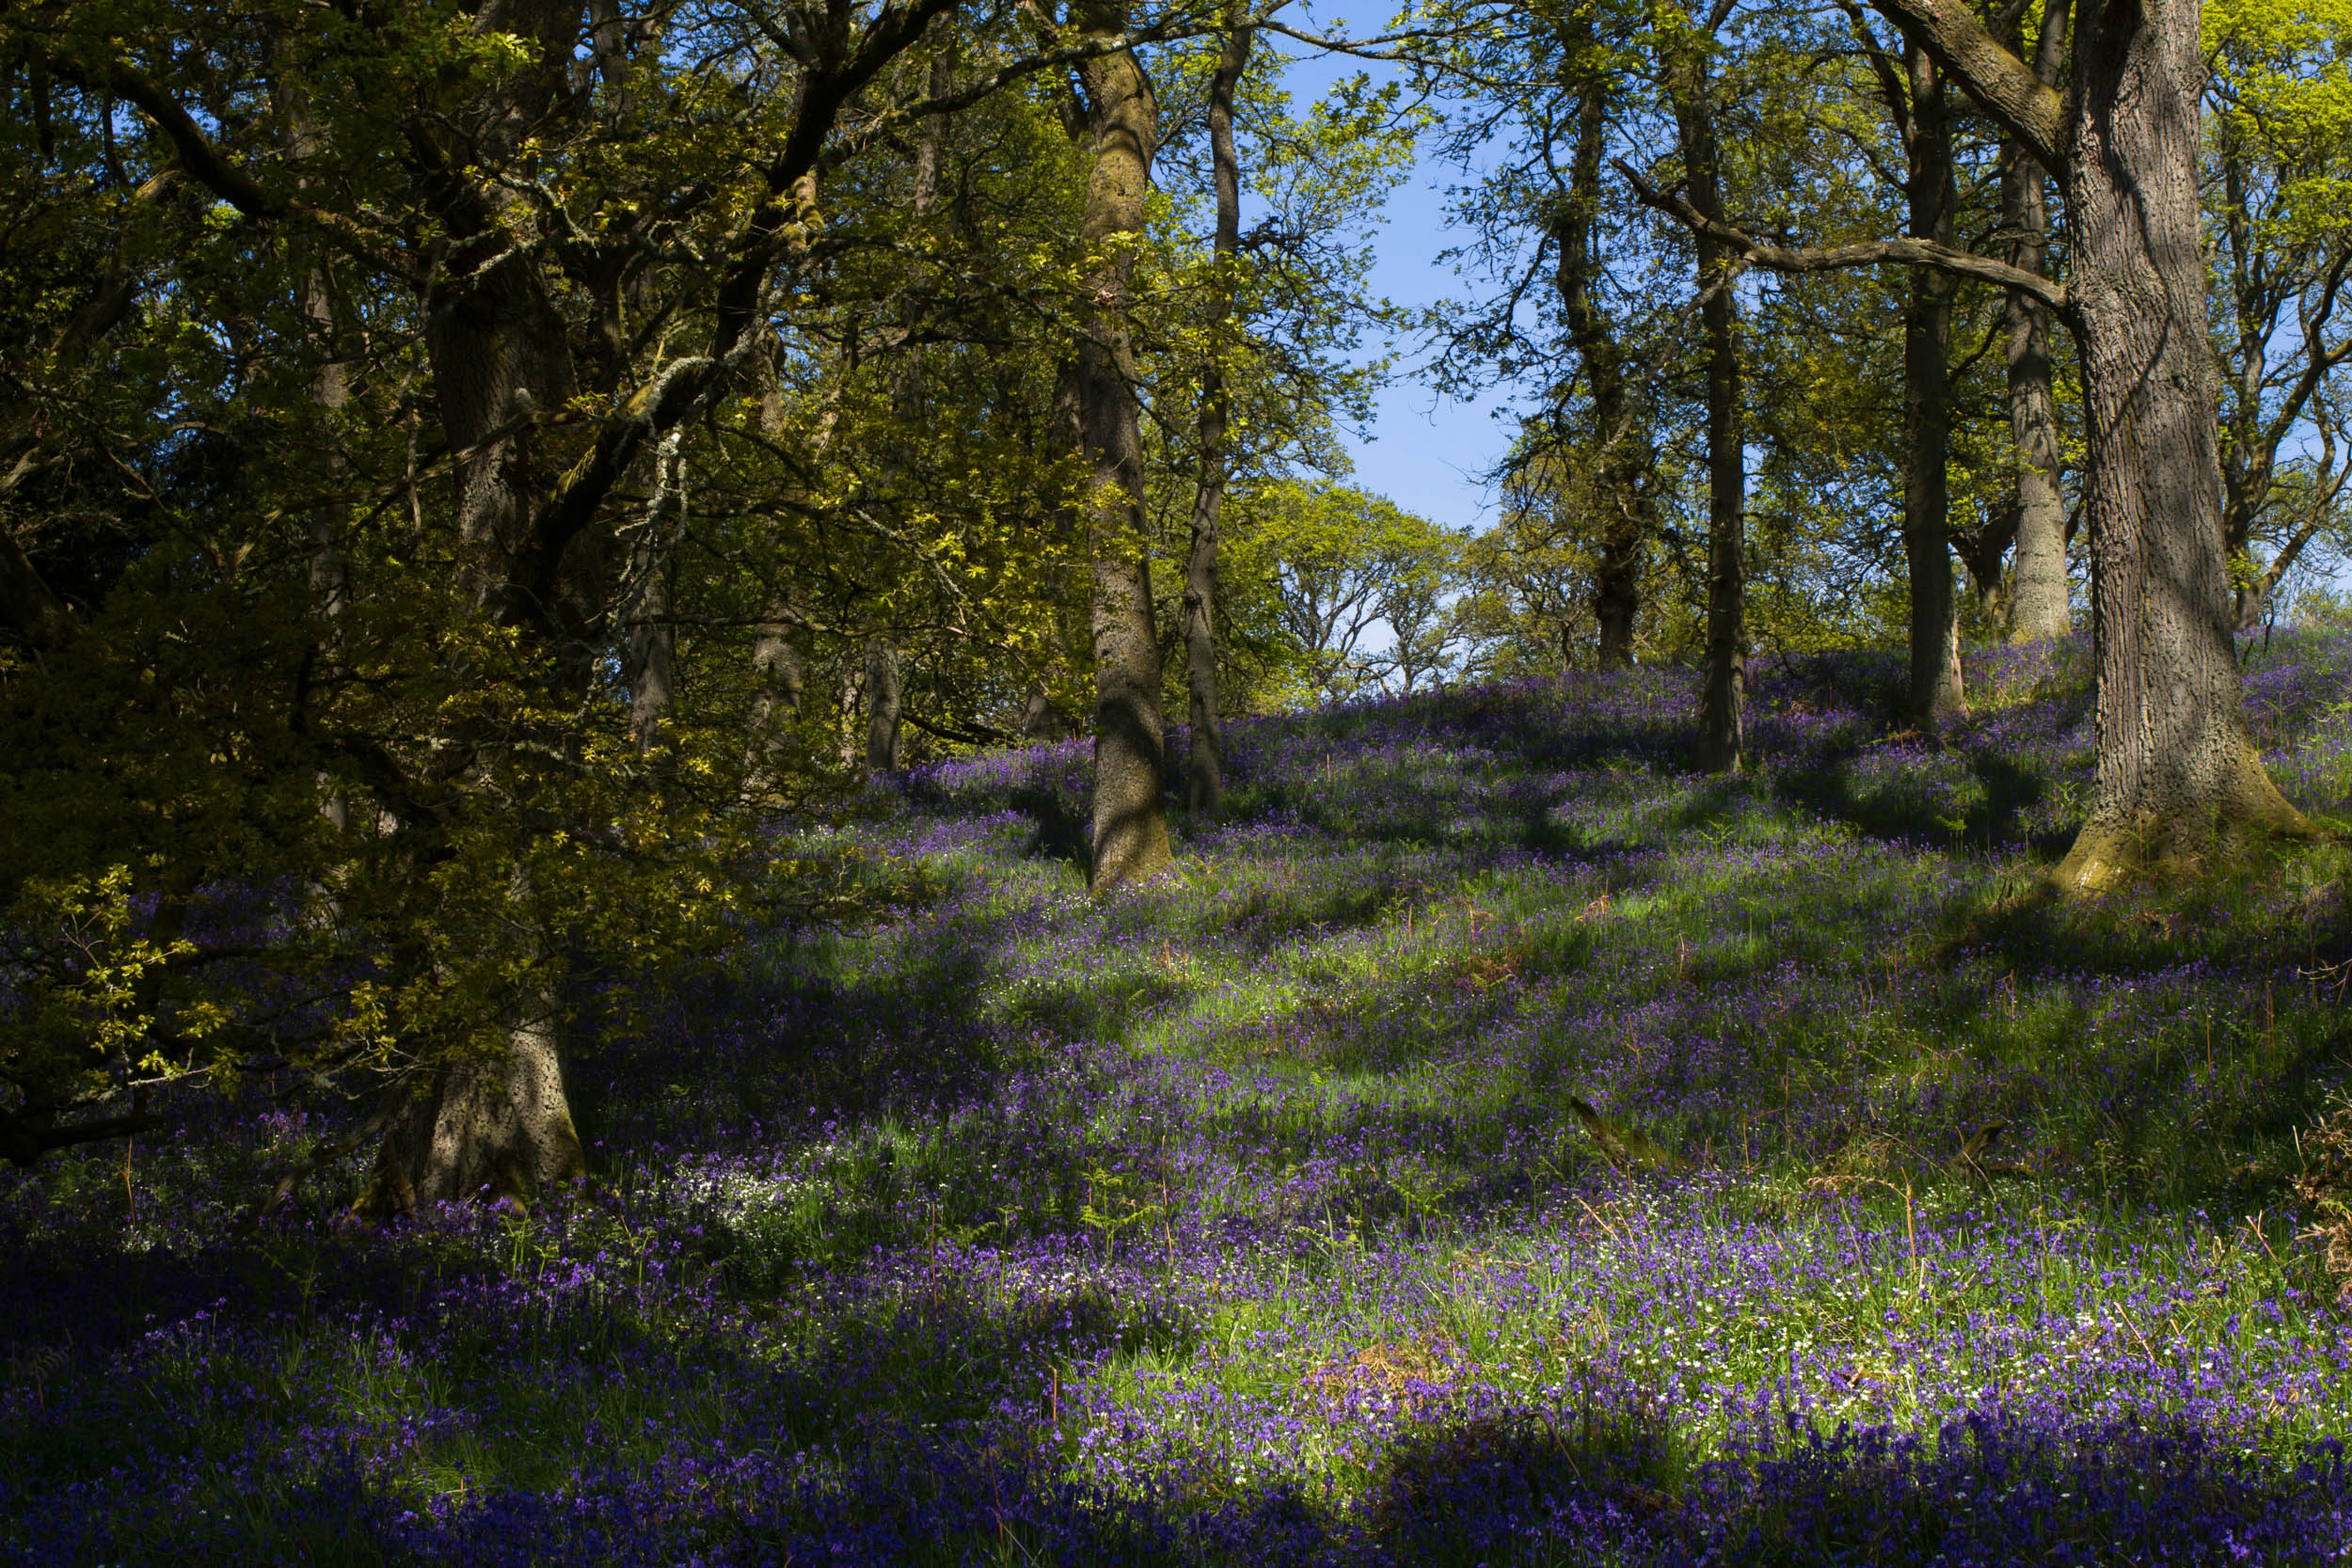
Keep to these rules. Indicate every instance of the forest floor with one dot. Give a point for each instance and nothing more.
(1250, 1217)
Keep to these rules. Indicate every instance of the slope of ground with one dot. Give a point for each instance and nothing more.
(1252, 1218)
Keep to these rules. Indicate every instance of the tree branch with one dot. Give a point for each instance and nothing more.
(25, 1137)
(208, 166)
(2003, 83)
(1865, 253)
(979, 735)
(1362, 49)
(684, 385)
(849, 145)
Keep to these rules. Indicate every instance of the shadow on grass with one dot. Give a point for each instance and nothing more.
(1521, 1489)
(1060, 831)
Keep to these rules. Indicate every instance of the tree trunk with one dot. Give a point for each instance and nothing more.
(652, 642)
(2176, 765)
(1620, 459)
(1937, 697)
(500, 1123)
(2038, 593)
(883, 706)
(1130, 828)
(500, 360)
(780, 679)
(1042, 722)
(652, 656)
(330, 573)
(1204, 763)
(884, 659)
(1617, 593)
(498, 1127)
(1722, 700)
(330, 392)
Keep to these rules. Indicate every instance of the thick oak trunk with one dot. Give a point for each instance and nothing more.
(498, 1127)
(500, 361)
(2176, 766)
(2177, 769)
(1130, 829)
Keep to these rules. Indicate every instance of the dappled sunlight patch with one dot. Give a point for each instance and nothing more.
(1249, 1217)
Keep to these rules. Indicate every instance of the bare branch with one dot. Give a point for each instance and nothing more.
(1865, 253)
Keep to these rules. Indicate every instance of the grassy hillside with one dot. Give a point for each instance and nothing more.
(1256, 1217)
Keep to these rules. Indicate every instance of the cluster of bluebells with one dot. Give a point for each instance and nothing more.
(1244, 1218)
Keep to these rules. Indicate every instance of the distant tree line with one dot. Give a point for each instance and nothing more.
(1871, 296)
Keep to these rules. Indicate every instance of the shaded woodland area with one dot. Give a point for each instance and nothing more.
(724, 837)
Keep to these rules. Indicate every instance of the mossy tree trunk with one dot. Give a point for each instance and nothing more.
(2176, 766)
(1130, 838)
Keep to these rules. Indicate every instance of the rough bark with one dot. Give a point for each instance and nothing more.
(780, 679)
(652, 656)
(498, 1126)
(500, 359)
(1723, 699)
(1130, 828)
(1204, 761)
(2177, 769)
(885, 705)
(1937, 697)
(2175, 763)
(2038, 600)
(1621, 460)
(651, 649)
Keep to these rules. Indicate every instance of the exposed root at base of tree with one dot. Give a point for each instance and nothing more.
(498, 1129)
(2108, 854)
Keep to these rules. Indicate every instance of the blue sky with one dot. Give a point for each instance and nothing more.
(1423, 451)
(1426, 452)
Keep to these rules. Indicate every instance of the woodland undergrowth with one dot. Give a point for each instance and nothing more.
(1498, 1143)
